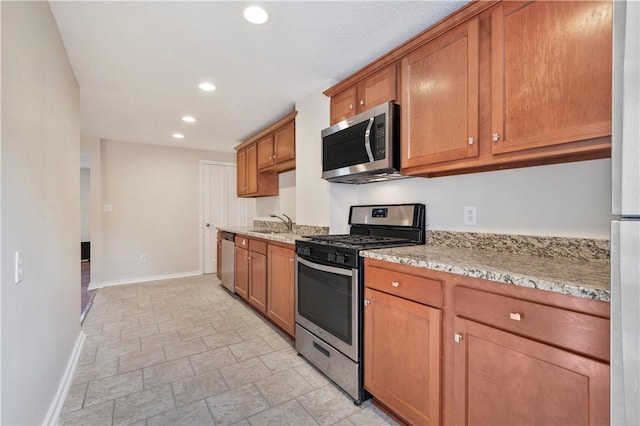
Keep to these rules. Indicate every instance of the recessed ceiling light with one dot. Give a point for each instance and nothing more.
(255, 15)
(188, 119)
(178, 135)
(207, 87)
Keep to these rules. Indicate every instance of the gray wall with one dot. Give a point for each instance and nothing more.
(40, 193)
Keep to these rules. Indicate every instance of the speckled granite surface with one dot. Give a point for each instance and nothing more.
(581, 278)
(297, 229)
(552, 247)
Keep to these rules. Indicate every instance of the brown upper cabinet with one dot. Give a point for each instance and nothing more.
(500, 85)
(378, 88)
(278, 149)
(264, 155)
(440, 110)
(551, 73)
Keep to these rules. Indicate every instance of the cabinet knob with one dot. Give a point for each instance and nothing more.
(291, 259)
(362, 102)
(350, 106)
(395, 284)
(515, 316)
(367, 302)
(457, 338)
(472, 141)
(496, 137)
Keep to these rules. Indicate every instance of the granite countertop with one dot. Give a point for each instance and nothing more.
(281, 237)
(581, 278)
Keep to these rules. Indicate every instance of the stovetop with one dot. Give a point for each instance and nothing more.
(359, 241)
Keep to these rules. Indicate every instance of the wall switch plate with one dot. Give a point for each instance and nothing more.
(470, 215)
(143, 258)
(19, 267)
(107, 207)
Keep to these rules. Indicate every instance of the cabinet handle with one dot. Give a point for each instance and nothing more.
(361, 101)
(496, 137)
(367, 302)
(395, 284)
(515, 316)
(457, 338)
(472, 141)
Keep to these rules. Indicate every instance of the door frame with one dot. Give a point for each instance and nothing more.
(202, 198)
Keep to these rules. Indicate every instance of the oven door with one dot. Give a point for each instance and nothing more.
(327, 304)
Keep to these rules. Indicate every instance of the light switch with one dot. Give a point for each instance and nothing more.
(19, 271)
(107, 208)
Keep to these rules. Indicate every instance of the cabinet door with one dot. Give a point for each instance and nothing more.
(402, 356)
(440, 99)
(281, 288)
(241, 157)
(551, 73)
(258, 281)
(501, 378)
(242, 272)
(343, 105)
(252, 169)
(377, 89)
(266, 155)
(284, 143)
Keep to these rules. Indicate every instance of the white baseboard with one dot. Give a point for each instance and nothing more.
(65, 383)
(93, 286)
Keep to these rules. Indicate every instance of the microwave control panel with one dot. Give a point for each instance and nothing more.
(379, 144)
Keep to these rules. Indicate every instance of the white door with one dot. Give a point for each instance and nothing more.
(215, 197)
(221, 207)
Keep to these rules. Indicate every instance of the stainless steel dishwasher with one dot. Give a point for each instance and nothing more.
(227, 274)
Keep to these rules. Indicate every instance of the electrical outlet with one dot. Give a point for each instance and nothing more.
(470, 215)
(143, 258)
(107, 207)
(19, 267)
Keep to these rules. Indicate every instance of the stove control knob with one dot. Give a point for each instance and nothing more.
(305, 251)
(331, 257)
(339, 258)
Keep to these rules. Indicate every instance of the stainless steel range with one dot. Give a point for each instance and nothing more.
(330, 288)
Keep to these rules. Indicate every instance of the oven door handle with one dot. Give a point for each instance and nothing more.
(325, 268)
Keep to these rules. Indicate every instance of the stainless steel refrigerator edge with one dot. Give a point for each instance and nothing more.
(625, 224)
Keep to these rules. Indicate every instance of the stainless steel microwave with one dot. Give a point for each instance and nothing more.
(364, 148)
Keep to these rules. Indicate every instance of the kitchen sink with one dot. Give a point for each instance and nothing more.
(269, 231)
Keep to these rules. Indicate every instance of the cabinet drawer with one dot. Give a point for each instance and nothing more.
(575, 331)
(242, 242)
(413, 287)
(258, 246)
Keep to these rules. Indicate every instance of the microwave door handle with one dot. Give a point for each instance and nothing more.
(367, 140)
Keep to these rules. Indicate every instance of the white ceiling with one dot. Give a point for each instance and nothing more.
(138, 64)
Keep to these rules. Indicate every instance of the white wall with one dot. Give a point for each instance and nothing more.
(570, 199)
(85, 205)
(40, 172)
(312, 193)
(284, 202)
(155, 195)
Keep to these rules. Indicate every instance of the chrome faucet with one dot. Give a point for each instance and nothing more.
(288, 222)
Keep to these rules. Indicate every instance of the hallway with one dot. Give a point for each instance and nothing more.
(184, 351)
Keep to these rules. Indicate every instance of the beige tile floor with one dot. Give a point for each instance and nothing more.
(186, 352)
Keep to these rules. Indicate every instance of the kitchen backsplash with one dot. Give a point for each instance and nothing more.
(297, 229)
(555, 247)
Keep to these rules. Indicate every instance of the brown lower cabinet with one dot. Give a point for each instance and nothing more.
(504, 379)
(281, 287)
(441, 348)
(241, 267)
(258, 275)
(264, 277)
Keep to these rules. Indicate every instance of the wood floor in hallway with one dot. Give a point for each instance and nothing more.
(186, 352)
